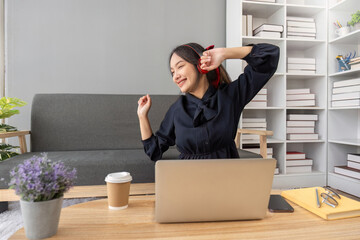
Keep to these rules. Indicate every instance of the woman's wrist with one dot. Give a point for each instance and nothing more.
(237, 52)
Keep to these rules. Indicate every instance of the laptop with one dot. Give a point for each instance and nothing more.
(212, 190)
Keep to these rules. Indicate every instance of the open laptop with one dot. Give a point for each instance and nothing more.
(212, 190)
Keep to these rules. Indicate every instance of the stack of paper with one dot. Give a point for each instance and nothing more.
(268, 31)
(301, 127)
(300, 98)
(346, 93)
(296, 162)
(260, 100)
(301, 28)
(301, 65)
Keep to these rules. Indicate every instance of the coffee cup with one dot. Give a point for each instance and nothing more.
(118, 188)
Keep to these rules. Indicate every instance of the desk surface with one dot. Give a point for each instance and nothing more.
(93, 220)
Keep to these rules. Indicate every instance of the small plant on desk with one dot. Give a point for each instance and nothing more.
(6, 110)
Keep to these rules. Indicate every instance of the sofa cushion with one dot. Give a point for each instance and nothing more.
(74, 122)
(93, 166)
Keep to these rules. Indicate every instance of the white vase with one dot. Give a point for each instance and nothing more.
(41, 219)
(356, 26)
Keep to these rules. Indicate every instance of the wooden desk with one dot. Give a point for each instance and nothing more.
(93, 220)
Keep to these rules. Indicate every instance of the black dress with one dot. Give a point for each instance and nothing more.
(205, 128)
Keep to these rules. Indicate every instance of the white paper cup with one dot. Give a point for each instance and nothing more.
(118, 188)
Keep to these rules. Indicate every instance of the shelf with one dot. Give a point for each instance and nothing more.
(344, 108)
(264, 108)
(305, 108)
(344, 5)
(303, 44)
(351, 38)
(349, 141)
(305, 141)
(261, 9)
(268, 140)
(348, 73)
(303, 10)
(256, 40)
(293, 76)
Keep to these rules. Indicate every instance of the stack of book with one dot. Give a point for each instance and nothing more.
(353, 166)
(256, 149)
(301, 127)
(301, 28)
(346, 93)
(268, 1)
(354, 63)
(296, 162)
(301, 65)
(253, 124)
(300, 98)
(268, 30)
(260, 100)
(247, 25)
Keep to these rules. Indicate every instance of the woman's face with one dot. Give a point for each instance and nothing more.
(184, 74)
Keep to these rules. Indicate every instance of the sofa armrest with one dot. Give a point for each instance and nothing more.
(263, 143)
(20, 134)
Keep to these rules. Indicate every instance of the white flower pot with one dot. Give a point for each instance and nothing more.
(41, 219)
(356, 26)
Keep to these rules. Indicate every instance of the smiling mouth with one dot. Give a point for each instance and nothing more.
(181, 82)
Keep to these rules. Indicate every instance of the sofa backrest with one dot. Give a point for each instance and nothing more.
(67, 122)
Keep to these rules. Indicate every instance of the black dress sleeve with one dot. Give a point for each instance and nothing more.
(159, 142)
(262, 64)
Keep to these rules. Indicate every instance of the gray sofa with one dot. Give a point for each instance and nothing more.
(95, 133)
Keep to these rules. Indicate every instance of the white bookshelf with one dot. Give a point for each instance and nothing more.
(276, 110)
(343, 122)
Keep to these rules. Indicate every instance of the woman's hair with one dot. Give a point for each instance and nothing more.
(189, 55)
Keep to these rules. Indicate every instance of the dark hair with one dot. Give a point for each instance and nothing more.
(189, 55)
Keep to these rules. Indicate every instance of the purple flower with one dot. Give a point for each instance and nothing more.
(40, 179)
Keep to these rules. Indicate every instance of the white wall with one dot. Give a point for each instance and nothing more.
(101, 46)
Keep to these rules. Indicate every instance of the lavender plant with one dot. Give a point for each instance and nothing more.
(40, 179)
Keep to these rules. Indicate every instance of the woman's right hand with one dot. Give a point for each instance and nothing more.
(144, 105)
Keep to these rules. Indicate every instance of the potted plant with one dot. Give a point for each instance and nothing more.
(41, 185)
(355, 21)
(6, 110)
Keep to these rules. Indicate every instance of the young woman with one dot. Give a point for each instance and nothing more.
(203, 122)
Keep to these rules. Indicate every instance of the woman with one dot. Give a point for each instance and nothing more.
(203, 122)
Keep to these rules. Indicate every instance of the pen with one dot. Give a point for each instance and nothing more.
(317, 198)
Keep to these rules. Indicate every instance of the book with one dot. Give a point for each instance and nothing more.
(244, 25)
(263, 91)
(296, 162)
(296, 66)
(298, 91)
(355, 88)
(268, 1)
(300, 130)
(276, 171)
(352, 164)
(269, 27)
(301, 30)
(298, 169)
(295, 155)
(293, 123)
(345, 96)
(346, 171)
(256, 104)
(301, 103)
(291, 97)
(257, 150)
(301, 24)
(254, 125)
(301, 60)
(302, 117)
(355, 67)
(346, 103)
(306, 198)
(300, 37)
(301, 72)
(301, 19)
(301, 34)
(260, 97)
(249, 22)
(345, 83)
(266, 34)
(246, 120)
(355, 157)
(306, 136)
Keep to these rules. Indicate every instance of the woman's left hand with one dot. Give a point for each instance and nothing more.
(212, 59)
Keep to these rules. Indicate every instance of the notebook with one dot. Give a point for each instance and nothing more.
(306, 198)
(212, 190)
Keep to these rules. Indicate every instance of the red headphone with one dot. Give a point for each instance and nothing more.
(202, 71)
